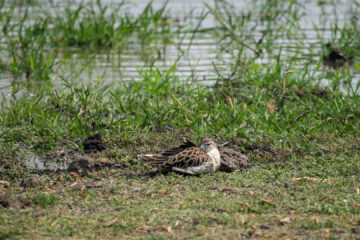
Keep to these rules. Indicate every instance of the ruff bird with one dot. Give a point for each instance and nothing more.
(187, 158)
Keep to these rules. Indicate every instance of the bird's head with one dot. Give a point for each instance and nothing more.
(208, 145)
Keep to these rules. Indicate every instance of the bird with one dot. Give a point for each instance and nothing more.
(335, 57)
(187, 158)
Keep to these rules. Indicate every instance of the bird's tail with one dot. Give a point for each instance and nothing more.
(152, 159)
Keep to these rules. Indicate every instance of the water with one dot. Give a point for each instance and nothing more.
(51, 162)
(197, 60)
(37, 163)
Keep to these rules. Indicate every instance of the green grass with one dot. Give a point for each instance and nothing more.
(36, 46)
(171, 206)
(89, 26)
(306, 187)
(94, 26)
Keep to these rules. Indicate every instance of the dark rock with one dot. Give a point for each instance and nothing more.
(93, 144)
(232, 160)
(8, 201)
(82, 165)
(30, 182)
(5, 201)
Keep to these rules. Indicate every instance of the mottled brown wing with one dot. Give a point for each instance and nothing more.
(153, 159)
(162, 158)
(176, 150)
(192, 156)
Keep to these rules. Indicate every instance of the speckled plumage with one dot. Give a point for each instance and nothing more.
(187, 158)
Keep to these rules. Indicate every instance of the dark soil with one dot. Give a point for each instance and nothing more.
(8, 201)
(232, 160)
(82, 165)
(94, 144)
(30, 182)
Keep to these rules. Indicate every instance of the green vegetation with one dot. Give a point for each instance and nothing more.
(98, 26)
(306, 185)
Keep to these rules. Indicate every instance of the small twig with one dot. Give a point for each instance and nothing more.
(245, 107)
(231, 103)
(302, 115)
(177, 100)
(284, 80)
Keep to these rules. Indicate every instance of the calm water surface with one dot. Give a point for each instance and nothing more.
(197, 60)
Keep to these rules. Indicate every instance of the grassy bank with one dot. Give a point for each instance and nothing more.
(301, 135)
(308, 184)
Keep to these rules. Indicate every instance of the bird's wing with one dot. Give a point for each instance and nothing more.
(153, 159)
(173, 151)
(192, 156)
(169, 156)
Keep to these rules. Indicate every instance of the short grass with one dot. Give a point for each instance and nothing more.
(263, 202)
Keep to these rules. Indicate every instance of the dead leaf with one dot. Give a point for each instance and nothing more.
(250, 232)
(244, 220)
(103, 160)
(72, 185)
(251, 193)
(179, 204)
(285, 220)
(230, 102)
(227, 189)
(314, 219)
(74, 175)
(162, 213)
(245, 107)
(269, 201)
(247, 205)
(177, 225)
(109, 223)
(306, 179)
(271, 106)
(148, 228)
(284, 80)
(326, 233)
(164, 228)
(106, 162)
(162, 192)
(4, 184)
(60, 178)
(357, 190)
(177, 100)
